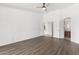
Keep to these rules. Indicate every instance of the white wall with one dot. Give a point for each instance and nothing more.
(17, 25)
(58, 17)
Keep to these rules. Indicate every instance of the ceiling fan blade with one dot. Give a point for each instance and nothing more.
(46, 4)
(38, 7)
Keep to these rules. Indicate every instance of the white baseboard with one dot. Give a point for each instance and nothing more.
(6, 43)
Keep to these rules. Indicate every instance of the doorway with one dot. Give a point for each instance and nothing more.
(48, 29)
(67, 28)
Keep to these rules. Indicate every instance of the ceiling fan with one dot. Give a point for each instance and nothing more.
(43, 7)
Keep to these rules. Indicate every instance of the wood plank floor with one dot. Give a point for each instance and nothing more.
(41, 46)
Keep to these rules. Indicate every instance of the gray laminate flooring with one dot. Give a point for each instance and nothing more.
(41, 46)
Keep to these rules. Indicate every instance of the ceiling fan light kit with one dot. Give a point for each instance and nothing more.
(43, 8)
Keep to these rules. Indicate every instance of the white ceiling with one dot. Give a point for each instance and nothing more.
(32, 6)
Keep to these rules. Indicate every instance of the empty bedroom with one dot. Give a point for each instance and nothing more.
(39, 28)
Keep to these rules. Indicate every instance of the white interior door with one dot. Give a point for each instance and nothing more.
(48, 29)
